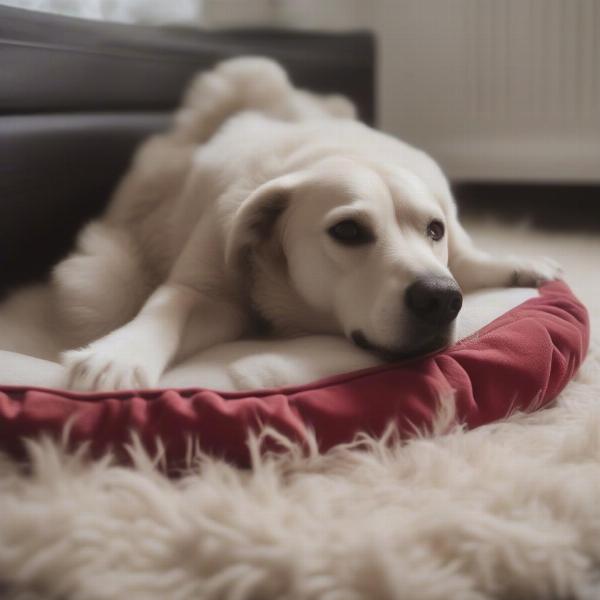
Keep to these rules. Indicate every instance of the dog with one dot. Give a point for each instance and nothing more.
(268, 208)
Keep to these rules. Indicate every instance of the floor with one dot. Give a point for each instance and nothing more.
(551, 207)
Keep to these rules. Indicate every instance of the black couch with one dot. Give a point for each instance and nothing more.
(77, 96)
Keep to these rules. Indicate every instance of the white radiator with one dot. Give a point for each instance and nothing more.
(495, 89)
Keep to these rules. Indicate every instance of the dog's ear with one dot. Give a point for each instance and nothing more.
(255, 219)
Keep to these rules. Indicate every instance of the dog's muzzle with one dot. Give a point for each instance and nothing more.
(434, 301)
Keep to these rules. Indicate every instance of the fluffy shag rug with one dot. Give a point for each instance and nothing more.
(510, 510)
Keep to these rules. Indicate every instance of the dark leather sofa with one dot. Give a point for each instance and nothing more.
(77, 96)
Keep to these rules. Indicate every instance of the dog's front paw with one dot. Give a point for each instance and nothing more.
(532, 272)
(95, 368)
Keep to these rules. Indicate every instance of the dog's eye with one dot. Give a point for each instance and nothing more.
(351, 233)
(435, 230)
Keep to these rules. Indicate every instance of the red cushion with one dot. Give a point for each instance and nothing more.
(520, 361)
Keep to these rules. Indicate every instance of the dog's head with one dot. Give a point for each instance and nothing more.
(343, 246)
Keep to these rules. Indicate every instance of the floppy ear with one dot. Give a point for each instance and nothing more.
(255, 219)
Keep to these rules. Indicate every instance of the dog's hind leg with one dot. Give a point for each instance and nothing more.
(101, 285)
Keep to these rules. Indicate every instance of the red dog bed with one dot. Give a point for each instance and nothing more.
(520, 361)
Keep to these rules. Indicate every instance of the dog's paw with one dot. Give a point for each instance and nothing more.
(533, 273)
(95, 368)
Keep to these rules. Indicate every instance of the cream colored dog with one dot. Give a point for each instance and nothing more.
(269, 207)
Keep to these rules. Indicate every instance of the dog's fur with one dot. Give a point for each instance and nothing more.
(223, 221)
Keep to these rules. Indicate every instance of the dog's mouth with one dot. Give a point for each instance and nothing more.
(430, 345)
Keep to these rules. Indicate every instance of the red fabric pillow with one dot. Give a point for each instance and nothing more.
(520, 361)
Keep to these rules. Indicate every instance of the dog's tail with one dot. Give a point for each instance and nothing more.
(248, 83)
(101, 285)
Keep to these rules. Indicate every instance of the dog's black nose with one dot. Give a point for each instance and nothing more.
(435, 300)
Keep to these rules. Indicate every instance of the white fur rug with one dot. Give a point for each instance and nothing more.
(510, 510)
